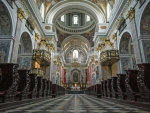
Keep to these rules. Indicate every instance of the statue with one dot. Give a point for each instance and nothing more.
(2, 56)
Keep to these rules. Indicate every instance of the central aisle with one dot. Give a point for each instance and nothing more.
(72, 104)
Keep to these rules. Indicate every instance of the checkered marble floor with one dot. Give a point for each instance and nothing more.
(73, 103)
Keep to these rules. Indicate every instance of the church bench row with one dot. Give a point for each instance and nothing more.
(20, 84)
(134, 85)
(57, 90)
(94, 90)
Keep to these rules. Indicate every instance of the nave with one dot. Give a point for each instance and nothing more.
(74, 103)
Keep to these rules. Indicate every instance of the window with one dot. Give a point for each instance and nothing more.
(75, 54)
(87, 18)
(62, 18)
(42, 10)
(75, 19)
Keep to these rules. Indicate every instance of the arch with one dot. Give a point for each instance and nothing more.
(127, 58)
(145, 21)
(25, 51)
(124, 43)
(5, 20)
(120, 37)
(60, 7)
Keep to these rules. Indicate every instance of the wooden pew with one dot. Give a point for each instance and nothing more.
(94, 90)
(109, 87)
(44, 80)
(143, 81)
(114, 87)
(0, 75)
(39, 87)
(33, 86)
(48, 88)
(98, 90)
(105, 88)
(57, 90)
(102, 83)
(91, 90)
(24, 84)
(121, 86)
(61, 90)
(9, 82)
(131, 85)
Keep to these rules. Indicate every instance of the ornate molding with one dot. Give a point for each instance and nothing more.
(30, 15)
(37, 36)
(131, 13)
(20, 14)
(109, 57)
(114, 36)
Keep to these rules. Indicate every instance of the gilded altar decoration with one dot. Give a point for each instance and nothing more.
(20, 14)
(109, 57)
(131, 13)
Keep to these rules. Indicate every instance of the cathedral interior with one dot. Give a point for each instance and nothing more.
(75, 56)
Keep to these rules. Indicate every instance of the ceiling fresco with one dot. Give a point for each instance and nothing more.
(61, 36)
(50, 3)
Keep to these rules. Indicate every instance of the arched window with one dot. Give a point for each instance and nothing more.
(75, 19)
(42, 10)
(75, 54)
(108, 10)
(62, 18)
(87, 18)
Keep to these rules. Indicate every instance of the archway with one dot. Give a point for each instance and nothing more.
(127, 58)
(25, 51)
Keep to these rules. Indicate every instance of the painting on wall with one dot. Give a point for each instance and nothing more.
(146, 47)
(125, 64)
(124, 43)
(61, 36)
(89, 36)
(4, 51)
(26, 43)
(5, 20)
(26, 64)
(69, 54)
(145, 21)
(81, 54)
(75, 77)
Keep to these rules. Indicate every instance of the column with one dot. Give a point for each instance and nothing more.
(16, 42)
